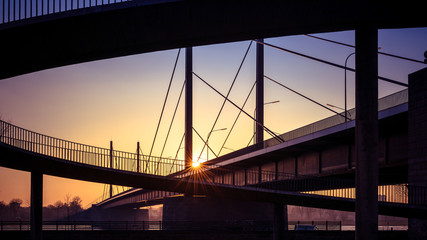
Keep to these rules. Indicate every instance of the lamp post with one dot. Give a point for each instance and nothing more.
(272, 102)
(207, 141)
(345, 85)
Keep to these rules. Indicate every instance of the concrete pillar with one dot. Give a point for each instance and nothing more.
(259, 111)
(417, 153)
(188, 144)
(366, 132)
(280, 221)
(36, 217)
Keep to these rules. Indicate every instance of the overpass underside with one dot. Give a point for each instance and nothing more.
(131, 28)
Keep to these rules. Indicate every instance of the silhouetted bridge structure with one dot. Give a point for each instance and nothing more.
(26, 150)
(68, 32)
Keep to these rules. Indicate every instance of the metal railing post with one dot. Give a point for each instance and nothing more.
(111, 166)
(137, 156)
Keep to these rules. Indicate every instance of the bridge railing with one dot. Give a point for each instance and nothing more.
(245, 226)
(109, 158)
(80, 153)
(14, 10)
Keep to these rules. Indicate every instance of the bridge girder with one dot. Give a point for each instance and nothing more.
(112, 31)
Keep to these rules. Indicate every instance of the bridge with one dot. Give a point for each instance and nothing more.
(158, 25)
(26, 150)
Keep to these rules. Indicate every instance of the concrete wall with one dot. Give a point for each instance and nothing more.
(417, 144)
(297, 213)
(214, 209)
(392, 148)
(111, 214)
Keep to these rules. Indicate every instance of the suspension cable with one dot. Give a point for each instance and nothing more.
(352, 46)
(329, 63)
(228, 94)
(311, 100)
(247, 114)
(235, 121)
(164, 103)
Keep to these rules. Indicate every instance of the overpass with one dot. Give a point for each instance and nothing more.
(319, 156)
(29, 151)
(88, 34)
(46, 38)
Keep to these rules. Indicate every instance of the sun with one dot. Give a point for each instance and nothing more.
(195, 164)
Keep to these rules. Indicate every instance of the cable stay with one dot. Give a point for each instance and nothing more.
(173, 118)
(352, 46)
(164, 104)
(176, 155)
(228, 94)
(235, 121)
(247, 114)
(204, 143)
(311, 100)
(328, 63)
(170, 126)
(177, 151)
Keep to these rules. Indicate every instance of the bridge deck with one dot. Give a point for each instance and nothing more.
(112, 31)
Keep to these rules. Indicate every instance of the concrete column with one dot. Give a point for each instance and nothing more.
(259, 111)
(188, 144)
(280, 221)
(36, 217)
(366, 132)
(417, 153)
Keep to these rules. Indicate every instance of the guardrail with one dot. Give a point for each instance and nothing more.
(81, 153)
(135, 162)
(245, 226)
(14, 10)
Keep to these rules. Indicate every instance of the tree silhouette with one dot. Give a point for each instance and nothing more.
(14, 206)
(76, 204)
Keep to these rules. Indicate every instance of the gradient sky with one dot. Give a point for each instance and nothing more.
(120, 99)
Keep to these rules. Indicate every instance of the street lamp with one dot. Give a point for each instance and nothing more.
(207, 140)
(345, 83)
(253, 136)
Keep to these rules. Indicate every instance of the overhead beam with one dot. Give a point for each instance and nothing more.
(111, 31)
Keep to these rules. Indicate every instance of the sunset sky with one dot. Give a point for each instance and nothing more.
(120, 99)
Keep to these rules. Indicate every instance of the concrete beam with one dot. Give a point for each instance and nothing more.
(111, 31)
